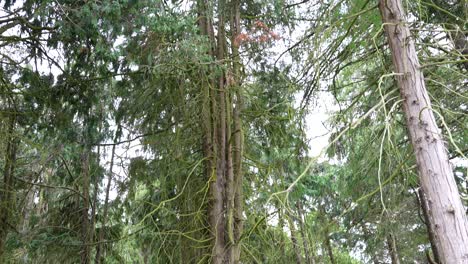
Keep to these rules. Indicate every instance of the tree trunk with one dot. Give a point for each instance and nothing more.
(222, 134)
(423, 204)
(218, 186)
(447, 216)
(207, 121)
(329, 247)
(303, 230)
(295, 243)
(94, 208)
(392, 249)
(85, 248)
(281, 225)
(99, 250)
(6, 193)
(237, 134)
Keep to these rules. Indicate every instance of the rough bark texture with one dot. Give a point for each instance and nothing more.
(238, 136)
(6, 194)
(423, 204)
(222, 133)
(446, 212)
(220, 190)
(210, 141)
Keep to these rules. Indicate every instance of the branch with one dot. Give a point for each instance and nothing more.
(49, 186)
(132, 139)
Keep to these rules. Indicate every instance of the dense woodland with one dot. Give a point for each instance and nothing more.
(179, 131)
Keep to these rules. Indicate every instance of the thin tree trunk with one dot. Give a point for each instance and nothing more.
(392, 249)
(326, 234)
(6, 194)
(294, 240)
(85, 248)
(238, 135)
(96, 191)
(42, 205)
(329, 247)
(94, 207)
(303, 231)
(446, 212)
(28, 208)
(423, 203)
(219, 192)
(99, 249)
(281, 225)
(25, 221)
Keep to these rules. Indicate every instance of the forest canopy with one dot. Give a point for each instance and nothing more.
(229, 131)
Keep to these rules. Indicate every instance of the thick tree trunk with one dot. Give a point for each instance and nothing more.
(423, 204)
(208, 125)
(447, 216)
(222, 135)
(6, 193)
(392, 249)
(213, 140)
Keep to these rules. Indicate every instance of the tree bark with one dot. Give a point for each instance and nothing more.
(237, 134)
(208, 124)
(6, 193)
(85, 248)
(99, 250)
(218, 186)
(309, 259)
(392, 249)
(213, 139)
(94, 208)
(329, 247)
(447, 216)
(222, 134)
(295, 243)
(423, 204)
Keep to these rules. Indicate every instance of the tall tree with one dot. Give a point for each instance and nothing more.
(222, 130)
(447, 215)
(7, 194)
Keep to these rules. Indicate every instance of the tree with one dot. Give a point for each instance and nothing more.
(172, 131)
(447, 215)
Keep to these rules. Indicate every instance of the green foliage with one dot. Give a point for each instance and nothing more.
(81, 77)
